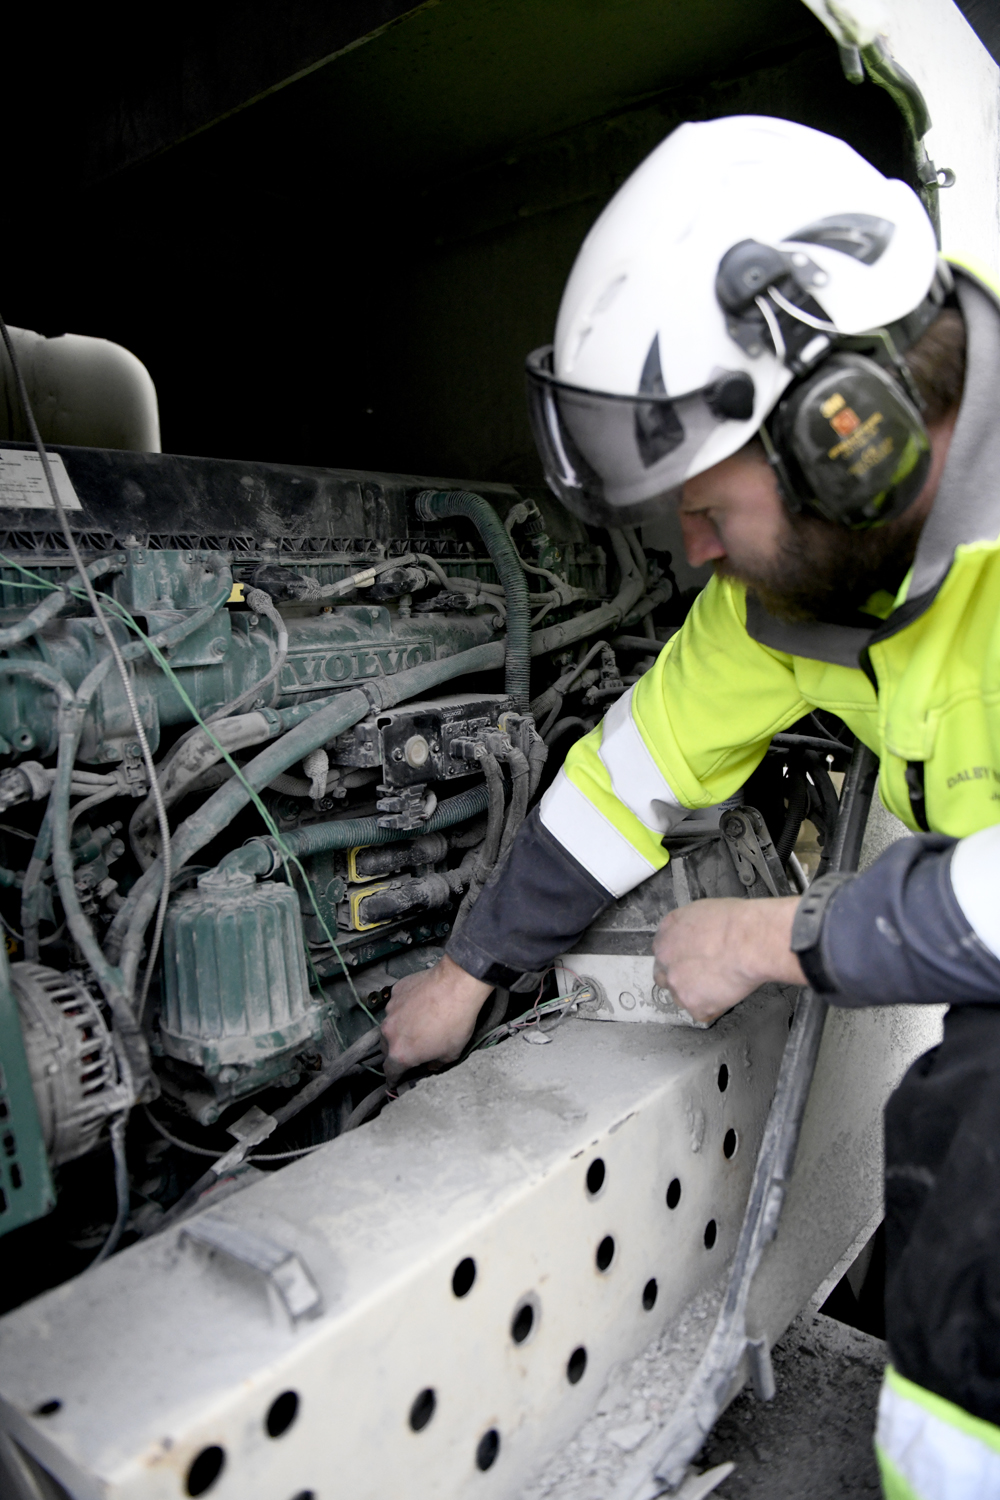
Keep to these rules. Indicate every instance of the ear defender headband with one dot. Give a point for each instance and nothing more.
(846, 440)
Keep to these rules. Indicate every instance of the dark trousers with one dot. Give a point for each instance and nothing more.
(942, 1192)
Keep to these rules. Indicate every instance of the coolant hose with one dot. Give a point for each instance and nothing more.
(126, 932)
(262, 856)
(433, 505)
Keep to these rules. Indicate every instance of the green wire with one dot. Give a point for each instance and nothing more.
(287, 857)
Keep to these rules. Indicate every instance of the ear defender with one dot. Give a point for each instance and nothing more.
(848, 444)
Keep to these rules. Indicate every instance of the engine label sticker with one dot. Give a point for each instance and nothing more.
(23, 485)
(304, 671)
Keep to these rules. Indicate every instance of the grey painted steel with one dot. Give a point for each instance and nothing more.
(488, 1161)
(718, 1375)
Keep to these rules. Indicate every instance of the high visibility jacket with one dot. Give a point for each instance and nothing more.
(921, 687)
(930, 1449)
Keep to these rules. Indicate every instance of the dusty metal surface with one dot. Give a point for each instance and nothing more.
(171, 1350)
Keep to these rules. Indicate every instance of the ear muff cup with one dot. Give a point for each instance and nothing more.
(852, 445)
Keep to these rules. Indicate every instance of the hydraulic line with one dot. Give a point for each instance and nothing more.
(520, 777)
(494, 831)
(217, 812)
(261, 856)
(13, 635)
(123, 1190)
(140, 730)
(433, 505)
(200, 751)
(261, 604)
(365, 1046)
(556, 637)
(798, 801)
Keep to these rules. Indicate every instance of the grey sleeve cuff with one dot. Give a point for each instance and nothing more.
(894, 935)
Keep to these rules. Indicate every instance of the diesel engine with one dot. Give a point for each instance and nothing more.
(351, 688)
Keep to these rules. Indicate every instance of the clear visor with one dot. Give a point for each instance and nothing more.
(615, 460)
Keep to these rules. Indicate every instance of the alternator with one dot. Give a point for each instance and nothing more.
(70, 1058)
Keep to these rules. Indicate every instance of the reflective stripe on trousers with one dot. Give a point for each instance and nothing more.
(930, 1449)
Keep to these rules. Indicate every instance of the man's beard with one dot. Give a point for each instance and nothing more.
(823, 571)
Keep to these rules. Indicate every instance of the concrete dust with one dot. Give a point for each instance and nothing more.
(813, 1440)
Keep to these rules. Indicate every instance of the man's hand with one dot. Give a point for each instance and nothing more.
(713, 953)
(430, 1017)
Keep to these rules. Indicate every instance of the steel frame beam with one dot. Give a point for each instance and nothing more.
(185, 1343)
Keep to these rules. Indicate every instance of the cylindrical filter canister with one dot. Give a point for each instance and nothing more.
(236, 989)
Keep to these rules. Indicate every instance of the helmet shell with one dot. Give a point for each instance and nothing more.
(647, 269)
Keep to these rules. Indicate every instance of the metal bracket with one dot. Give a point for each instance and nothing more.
(282, 1268)
(753, 852)
(761, 1369)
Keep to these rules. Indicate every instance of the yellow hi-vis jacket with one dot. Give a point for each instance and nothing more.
(921, 688)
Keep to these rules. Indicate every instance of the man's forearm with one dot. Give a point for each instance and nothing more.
(530, 911)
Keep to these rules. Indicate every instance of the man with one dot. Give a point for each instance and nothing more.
(758, 328)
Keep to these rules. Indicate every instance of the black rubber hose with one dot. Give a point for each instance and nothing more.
(260, 856)
(364, 1047)
(125, 933)
(490, 847)
(433, 505)
(826, 796)
(798, 801)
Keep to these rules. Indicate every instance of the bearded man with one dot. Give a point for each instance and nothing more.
(759, 331)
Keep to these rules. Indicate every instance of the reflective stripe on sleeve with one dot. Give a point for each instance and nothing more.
(594, 842)
(636, 779)
(936, 1449)
(975, 879)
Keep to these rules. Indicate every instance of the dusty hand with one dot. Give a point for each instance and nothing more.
(430, 1017)
(713, 953)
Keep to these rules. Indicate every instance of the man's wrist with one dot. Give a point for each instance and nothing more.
(466, 991)
(768, 941)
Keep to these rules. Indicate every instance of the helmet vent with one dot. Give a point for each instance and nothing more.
(651, 379)
(861, 236)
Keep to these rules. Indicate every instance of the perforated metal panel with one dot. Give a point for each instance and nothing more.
(346, 1279)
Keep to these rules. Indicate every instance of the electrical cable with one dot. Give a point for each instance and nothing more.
(122, 1189)
(147, 754)
(365, 1046)
(194, 1150)
(261, 604)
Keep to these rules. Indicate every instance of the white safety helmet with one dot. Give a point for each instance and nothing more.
(675, 340)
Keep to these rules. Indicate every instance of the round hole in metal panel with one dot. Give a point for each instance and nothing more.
(595, 1176)
(487, 1449)
(723, 1078)
(464, 1276)
(527, 1315)
(605, 1253)
(47, 1409)
(205, 1470)
(305, 1495)
(576, 1364)
(674, 1193)
(649, 1292)
(282, 1413)
(422, 1409)
(730, 1144)
(711, 1233)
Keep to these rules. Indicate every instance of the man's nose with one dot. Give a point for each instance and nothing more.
(701, 540)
